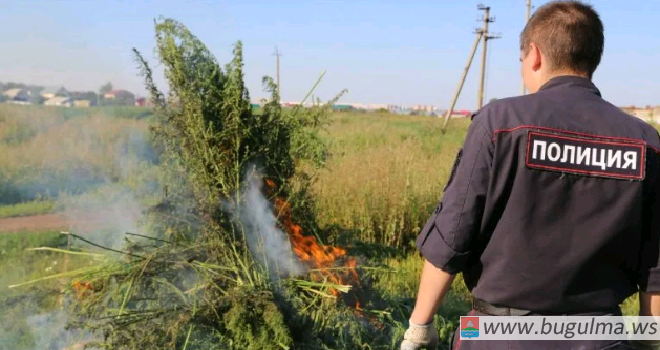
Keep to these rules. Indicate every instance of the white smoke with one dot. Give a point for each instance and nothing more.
(115, 206)
(269, 245)
(49, 332)
(103, 181)
(105, 216)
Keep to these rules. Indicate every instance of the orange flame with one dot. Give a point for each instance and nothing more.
(82, 289)
(310, 252)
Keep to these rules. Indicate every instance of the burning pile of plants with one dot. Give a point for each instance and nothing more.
(223, 262)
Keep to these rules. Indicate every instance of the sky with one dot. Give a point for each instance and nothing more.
(387, 52)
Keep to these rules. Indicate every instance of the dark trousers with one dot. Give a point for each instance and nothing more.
(469, 344)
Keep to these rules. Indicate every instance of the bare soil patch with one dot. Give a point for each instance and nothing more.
(45, 222)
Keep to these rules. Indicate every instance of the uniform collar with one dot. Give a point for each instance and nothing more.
(570, 81)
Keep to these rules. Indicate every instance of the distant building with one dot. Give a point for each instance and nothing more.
(17, 94)
(394, 109)
(90, 96)
(144, 102)
(111, 95)
(399, 110)
(51, 92)
(61, 101)
(82, 103)
(342, 108)
(644, 113)
(374, 106)
(628, 109)
(423, 110)
(458, 113)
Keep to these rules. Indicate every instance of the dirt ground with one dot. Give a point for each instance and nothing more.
(40, 223)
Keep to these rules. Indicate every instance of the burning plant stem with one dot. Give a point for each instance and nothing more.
(102, 247)
(152, 238)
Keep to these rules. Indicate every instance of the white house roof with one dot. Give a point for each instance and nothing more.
(57, 100)
(13, 92)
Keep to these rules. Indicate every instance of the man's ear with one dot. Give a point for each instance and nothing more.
(535, 58)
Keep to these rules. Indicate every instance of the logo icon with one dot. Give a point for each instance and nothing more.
(469, 327)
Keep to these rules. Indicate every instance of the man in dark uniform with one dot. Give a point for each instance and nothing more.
(552, 206)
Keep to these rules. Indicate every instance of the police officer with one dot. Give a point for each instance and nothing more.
(552, 205)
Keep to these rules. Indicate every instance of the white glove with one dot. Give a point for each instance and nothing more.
(420, 336)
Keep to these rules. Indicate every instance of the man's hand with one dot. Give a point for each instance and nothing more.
(420, 337)
(433, 286)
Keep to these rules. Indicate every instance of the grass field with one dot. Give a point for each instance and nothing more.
(52, 151)
(384, 175)
(34, 207)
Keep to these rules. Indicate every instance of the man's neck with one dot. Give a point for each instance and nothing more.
(563, 74)
(556, 74)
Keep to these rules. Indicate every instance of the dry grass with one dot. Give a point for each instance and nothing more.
(385, 174)
(46, 151)
(93, 143)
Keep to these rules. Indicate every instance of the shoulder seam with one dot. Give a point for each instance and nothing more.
(484, 128)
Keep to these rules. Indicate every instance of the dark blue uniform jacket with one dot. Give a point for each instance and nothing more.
(552, 204)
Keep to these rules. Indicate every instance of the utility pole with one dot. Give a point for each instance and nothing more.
(487, 19)
(277, 64)
(481, 33)
(529, 10)
(462, 81)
